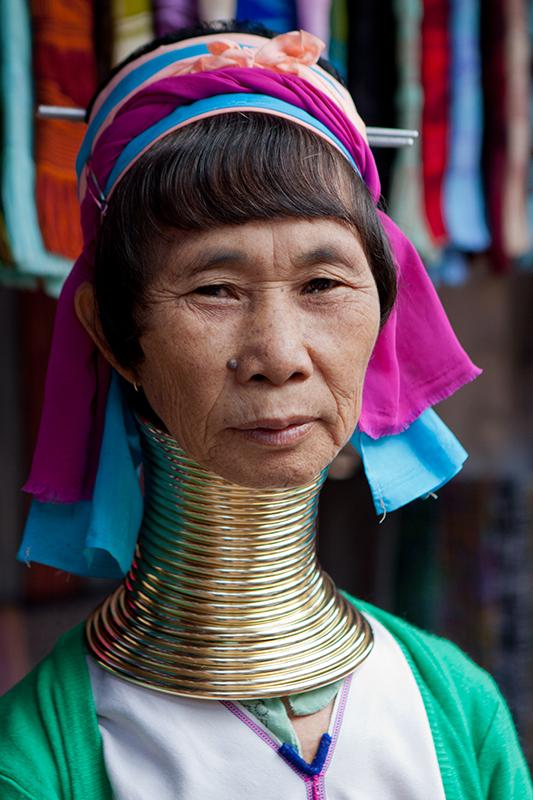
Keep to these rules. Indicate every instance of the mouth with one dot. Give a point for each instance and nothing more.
(277, 432)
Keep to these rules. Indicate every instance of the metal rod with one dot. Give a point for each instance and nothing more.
(391, 141)
(61, 112)
(377, 137)
(401, 133)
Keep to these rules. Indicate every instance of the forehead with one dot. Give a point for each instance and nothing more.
(282, 240)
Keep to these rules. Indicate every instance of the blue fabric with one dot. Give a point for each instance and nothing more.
(288, 752)
(451, 268)
(18, 169)
(95, 537)
(192, 110)
(278, 15)
(463, 192)
(411, 464)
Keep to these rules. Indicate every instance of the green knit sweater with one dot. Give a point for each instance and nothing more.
(50, 746)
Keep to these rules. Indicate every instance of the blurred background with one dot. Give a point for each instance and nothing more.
(459, 71)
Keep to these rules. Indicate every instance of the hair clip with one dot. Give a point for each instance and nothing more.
(377, 137)
(98, 196)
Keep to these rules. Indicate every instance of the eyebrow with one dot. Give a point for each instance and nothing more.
(319, 255)
(214, 259)
(220, 257)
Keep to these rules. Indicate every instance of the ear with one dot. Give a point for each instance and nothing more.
(87, 313)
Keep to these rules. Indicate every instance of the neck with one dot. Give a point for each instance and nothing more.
(225, 597)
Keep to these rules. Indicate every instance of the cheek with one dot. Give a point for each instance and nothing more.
(182, 376)
(345, 356)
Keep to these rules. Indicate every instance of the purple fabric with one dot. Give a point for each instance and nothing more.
(417, 360)
(314, 17)
(170, 15)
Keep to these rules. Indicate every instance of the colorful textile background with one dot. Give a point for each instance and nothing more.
(433, 65)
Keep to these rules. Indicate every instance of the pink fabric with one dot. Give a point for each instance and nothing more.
(417, 360)
(288, 52)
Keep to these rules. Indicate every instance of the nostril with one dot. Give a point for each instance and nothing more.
(298, 376)
(258, 378)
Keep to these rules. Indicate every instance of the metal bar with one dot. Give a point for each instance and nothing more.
(61, 112)
(391, 141)
(401, 133)
(377, 137)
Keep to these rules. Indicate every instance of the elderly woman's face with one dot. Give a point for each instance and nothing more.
(294, 305)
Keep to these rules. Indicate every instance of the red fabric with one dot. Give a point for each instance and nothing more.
(65, 75)
(435, 75)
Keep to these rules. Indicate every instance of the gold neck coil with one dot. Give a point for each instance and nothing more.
(225, 598)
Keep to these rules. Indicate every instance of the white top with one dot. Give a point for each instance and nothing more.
(177, 748)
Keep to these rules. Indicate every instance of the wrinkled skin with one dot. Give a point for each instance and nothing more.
(302, 334)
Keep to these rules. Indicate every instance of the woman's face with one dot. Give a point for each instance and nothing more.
(294, 304)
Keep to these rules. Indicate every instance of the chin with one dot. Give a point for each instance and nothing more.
(279, 469)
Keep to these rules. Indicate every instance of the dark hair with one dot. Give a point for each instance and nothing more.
(223, 170)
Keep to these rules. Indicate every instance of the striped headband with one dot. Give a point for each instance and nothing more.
(294, 53)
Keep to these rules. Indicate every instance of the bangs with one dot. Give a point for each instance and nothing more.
(238, 167)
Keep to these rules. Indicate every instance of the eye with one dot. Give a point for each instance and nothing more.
(318, 285)
(214, 290)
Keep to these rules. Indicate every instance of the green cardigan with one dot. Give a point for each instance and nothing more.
(50, 746)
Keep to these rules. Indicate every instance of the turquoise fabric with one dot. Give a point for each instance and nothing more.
(272, 712)
(338, 38)
(18, 169)
(411, 464)
(95, 537)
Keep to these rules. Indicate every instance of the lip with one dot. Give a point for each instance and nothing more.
(277, 432)
(275, 423)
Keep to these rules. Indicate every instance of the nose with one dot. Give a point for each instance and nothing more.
(274, 346)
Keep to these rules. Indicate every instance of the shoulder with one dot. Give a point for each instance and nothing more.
(472, 727)
(438, 660)
(46, 721)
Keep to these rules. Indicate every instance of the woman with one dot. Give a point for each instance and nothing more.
(237, 291)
